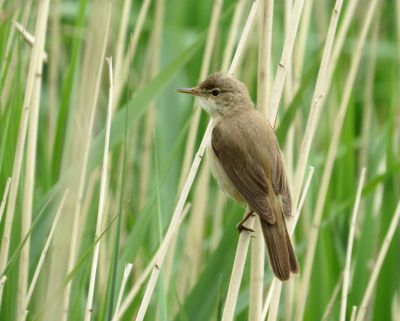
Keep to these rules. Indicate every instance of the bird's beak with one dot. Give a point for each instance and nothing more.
(193, 91)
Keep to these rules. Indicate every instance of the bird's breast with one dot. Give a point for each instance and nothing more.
(220, 175)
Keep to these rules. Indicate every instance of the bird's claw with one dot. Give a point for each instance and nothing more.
(241, 227)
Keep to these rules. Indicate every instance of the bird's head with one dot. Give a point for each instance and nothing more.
(220, 94)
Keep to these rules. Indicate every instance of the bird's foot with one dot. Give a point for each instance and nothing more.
(241, 227)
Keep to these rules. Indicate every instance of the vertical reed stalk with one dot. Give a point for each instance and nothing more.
(92, 101)
(300, 46)
(227, 57)
(140, 280)
(156, 41)
(284, 62)
(332, 301)
(42, 258)
(245, 34)
(194, 124)
(331, 158)
(217, 219)
(316, 102)
(353, 313)
(123, 73)
(121, 40)
(346, 272)
(29, 187)
(175, 218)
(263, 88)
(127, 272)
(274, 101)
(233, 32)
(194, 246)
(362, 310)
(5, 194)
(276, 284)
(103, 191)
(55, 49)
(35, 68)
(237, 271)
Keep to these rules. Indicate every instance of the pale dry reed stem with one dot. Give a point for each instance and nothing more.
(156, 39)
(29, 187)
(362, 310)
(302, 200)
(205, 66)
(263, 87)
(332, 301)
(142, 278)
(288, 90)
(242, 247)
(341, 37)
(395, 307)
(275, 282)
(3, 280)
(194, 123)
(284, 62)
(300, 46)
(243, 39)
(368, 97)
(227, 58)
(103, 193)
(378, 195)
(268, 298)
(127, 272)
(4, 200)
(347, 89)
(288, 95)
(194, 246)
(274, 306)
(29, 38)
(10, 59)
(35, 68)
(283, 68)
(233, 31)
(190, 178)
(42, 258)
(237, 271)
(121, 40)
(123, 73)
(83, 170)
(353, 313)
(316, 102)
(175, 218)
(54, 68)
(217, 219)
(398, 24)
(264, 56)
(257, 273)
(346, 272)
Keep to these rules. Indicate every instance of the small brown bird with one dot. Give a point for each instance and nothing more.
(245, 160)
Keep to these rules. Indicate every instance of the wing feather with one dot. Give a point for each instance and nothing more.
(255, 169)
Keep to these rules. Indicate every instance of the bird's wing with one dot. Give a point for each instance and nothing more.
(255, 165)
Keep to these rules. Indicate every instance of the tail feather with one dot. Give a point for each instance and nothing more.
(294, 265)
(280, 250)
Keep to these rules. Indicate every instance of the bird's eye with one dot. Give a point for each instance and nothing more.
(215, 92)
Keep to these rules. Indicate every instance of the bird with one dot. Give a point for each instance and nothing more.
(246, 161)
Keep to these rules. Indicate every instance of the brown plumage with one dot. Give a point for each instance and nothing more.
(246, 161)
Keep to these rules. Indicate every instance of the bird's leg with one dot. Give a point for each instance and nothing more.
(241, 225)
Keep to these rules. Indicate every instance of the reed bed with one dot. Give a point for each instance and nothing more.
(108, 210)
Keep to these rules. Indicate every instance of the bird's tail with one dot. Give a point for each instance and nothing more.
(280, 250)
